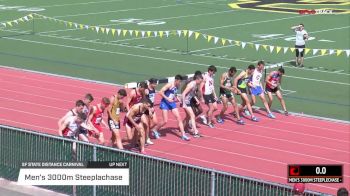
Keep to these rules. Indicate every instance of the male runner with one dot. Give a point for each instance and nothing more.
(96, 118)
(273, 83)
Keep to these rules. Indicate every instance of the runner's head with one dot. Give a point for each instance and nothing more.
(105, 103)
(153, 82)
(81, 117)
(250, 69)
(88, 99)
(198, 78)
(211, 70)
(142, 87)
(121, 93)
(232, 71)
(197, 73)
(79, 105)
(147, 102)
(281, 71)
(260, 65)
(178, 79)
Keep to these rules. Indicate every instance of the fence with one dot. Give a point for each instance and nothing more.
(148, 175)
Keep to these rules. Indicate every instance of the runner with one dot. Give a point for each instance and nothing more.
(69, 128)
(188, 98)
(84, 133)
(168, 92)
(209, 96)
(240, 83)
(226, 94)
(79, 106)
(273, 83)
(151, 114)
(256, 88)
(96, 118)
(114, 117)
(134, 127)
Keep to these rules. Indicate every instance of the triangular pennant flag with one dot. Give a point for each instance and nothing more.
(331, 51)
(3, 24)
(15, 21)
(81, 26)
(119, 31)
(209, 38)
(21, 19)
(292, 49)
(155, 33)
(314, 51)
(223, 41)
(113, 32)
(149, 33)
(102, 30)
(131, 32)
(30, 15)
(161, 34)
(124, 32)
(230, 41)
(86, 27)
(244, 44)
(107, 30)
(265, 47)
(216, 39)
(339, 52)
(97, 29)
(323, 51)
(10, 24)
(167, 33)
(142, 33)
(238, 43)
(26, 18)
(347, 53)
(179, 33)
(185, 32)
(190, 33)
(196, 35)
(278, 49)
(285, 49)
(76, 25)
(137, 33)
(70, 24)
(271, 48)
(257, 47)
(307, 50)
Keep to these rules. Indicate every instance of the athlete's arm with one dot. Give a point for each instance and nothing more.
(130, 115)
(60, 121)
(128, 100)
(268, 79)
(91, 115)
(222, 80)
(162, 91)
(186, 91)
(235, 81)
(62, 126)
(200, 90)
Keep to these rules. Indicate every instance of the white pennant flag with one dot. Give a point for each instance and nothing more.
(107, 30)
(230, 41)
(86, 27)
(143, 33)
(190, 33)
(257, 47)
(97, 28)
(26, 18)
(285, 49)
(4, 24)
(155, 33)
(243, 44)
(216, 39)
(347, 53)
(314, 51)
(167, 33)
(76, 25)
(271, 48)
(331, 51)
(15, 21)
(119, 31)
(179, 33)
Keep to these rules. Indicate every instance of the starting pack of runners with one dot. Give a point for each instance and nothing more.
(141, 122)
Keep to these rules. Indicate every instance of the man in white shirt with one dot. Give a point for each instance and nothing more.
(300, 37)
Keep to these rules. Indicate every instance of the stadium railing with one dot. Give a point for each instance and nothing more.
(148, 175)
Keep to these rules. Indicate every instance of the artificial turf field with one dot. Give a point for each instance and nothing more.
(57, 43)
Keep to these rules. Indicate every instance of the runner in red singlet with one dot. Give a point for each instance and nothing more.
(96, 118)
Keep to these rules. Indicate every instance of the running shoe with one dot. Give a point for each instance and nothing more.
(185, 137)
(240, 122)
(220, 120)
(211, 125)
(246, 112)
(197, 135)
(255, 119)
(270, 115)
(149, 142)
(156, 134)
(204, 119)
(286, 113)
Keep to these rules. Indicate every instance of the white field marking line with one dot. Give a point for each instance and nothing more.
(56, 99)
(156, 58)
(134, 9)
(44, 81)
(85, 3)
(31, 103)
(168, 18)
(194, 145)
(274, 38)
(31, 125)
(339, 71)
(49, 82)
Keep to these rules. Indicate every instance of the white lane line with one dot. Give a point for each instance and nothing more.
(73, 4)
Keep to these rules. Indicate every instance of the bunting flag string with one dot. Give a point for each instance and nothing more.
(177, 33)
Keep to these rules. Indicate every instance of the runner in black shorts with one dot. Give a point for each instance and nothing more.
(273, 82)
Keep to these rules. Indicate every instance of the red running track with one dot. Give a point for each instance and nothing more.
(261, 150)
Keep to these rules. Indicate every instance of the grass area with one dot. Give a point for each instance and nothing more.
(322, 88)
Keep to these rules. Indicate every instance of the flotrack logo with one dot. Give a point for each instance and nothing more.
(316, 11)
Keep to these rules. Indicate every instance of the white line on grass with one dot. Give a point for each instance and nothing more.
(134, 9)
(85, 3)
(149, 57)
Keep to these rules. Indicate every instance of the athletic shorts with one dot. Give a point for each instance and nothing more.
(243, 90)
(112, 125)
(271, 90)
(228, 95)
(297, 51)
(164, 105)
(209, 98)
(256, 91)
(128, 123)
